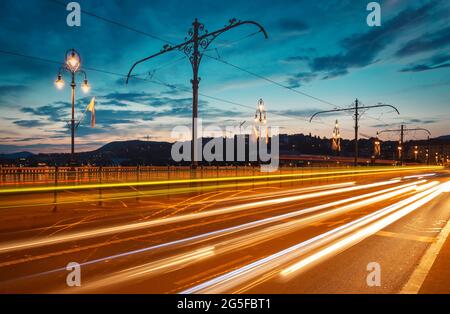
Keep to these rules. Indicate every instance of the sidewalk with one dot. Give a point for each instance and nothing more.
(438, 279)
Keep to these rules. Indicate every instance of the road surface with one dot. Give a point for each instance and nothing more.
(276, 235)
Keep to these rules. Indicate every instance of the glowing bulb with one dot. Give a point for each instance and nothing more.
(59, 82)
(86, 87)
(73, 61)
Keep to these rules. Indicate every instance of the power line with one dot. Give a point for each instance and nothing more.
(153, 81)
(114, 22)
(214, 58)
(156, 81)
(271, 81)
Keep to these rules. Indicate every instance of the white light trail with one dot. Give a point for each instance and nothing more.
(256, 270)
(43, 241)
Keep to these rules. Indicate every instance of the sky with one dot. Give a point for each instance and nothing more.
(322, 48)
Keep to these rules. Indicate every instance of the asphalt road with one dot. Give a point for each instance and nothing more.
(276, 236)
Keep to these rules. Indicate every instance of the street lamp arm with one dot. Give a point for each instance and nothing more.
(405, 130)
(329, 111)
(380, 106)
(166, 48)
(387, 131)
(84, 73)
(233, 24)
(204, 39)
(420, 129)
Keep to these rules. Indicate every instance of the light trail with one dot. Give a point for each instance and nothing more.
(255, 271)
(26, 244)
(248, 239)
(292, 226)
(209, 180)
(175, 191)
(133, 194)
(364, 233)
(420, 176)
(154, 268)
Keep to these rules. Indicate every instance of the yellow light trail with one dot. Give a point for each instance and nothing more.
(223, 247)
(209, 180)
(24, 244)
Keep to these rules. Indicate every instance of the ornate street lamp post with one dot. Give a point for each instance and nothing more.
(72, 65)
(194, 47)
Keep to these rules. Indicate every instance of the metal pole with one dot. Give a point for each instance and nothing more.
(195, 82)
(356, 131)
(194, 47)
(402, 135)
(72, 155)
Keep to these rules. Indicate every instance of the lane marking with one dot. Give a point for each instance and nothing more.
(417, 278)
(405, 236)
(256, 270)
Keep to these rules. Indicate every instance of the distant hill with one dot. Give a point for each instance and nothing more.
(135, 152)
(14, 156)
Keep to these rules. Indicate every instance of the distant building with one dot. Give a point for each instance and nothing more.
(433, 151)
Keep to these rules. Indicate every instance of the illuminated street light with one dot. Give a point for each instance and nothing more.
(59, 82)
(73, 60)
(72, 65)
(86, 87)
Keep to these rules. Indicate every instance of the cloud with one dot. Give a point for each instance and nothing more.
(408, 121)
(30, 123)
(12, 89)
(7, 91)
(55, 112)
(18, 140)
(426, 42)
(296, 112)
(361, 50)
(435, 62)
(298, 79)
(423, 121)
(292, 26)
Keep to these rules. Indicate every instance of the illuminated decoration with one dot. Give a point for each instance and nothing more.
(260, 126)
(336, 139)
(73, 60)
(59, 83)
(377, 147)
(86, 87)
(400, 151)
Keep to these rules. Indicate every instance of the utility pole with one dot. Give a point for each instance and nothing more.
(402, 132)
(401, 148)
(356, 131)
(357, 106)
(195, 45)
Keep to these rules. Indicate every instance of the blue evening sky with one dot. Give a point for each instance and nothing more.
(323, 48)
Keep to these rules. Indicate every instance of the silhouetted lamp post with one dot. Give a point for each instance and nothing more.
(72, 65)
